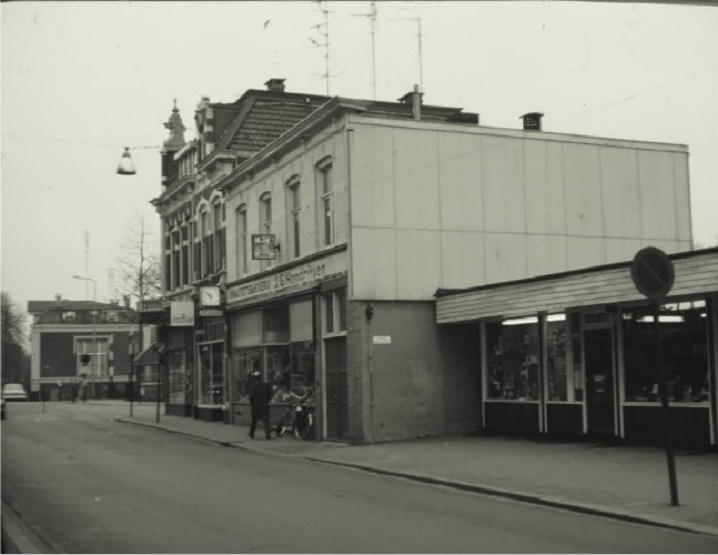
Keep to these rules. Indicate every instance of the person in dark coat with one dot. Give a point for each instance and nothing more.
(260, 393)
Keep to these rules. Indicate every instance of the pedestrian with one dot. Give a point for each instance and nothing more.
(74, 390)
(260, 393)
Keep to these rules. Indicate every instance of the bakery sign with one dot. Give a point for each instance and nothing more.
(296, 278)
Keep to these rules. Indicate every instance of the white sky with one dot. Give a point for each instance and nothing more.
(80, 80)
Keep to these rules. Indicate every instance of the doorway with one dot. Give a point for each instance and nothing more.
(599, 368)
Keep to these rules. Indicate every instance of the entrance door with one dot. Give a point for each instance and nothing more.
(598, 353)
(336, 371)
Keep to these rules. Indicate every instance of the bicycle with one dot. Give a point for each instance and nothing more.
(298, 417)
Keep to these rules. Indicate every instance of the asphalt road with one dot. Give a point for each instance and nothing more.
(84, 484)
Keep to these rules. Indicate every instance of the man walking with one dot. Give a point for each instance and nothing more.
(260, 393)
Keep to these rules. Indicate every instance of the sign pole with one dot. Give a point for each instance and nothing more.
(653, 275)
(666, 409)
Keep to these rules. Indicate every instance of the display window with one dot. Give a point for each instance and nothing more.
(556, 351)
(513, 360)
(684, 352)
(211, 388)
(277, 342)
(179, 378)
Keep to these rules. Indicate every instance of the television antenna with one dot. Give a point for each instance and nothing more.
(372, 15)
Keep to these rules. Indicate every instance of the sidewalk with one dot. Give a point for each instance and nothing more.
(629, 483)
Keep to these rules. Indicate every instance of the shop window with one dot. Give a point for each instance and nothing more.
(556, 356)
(576, 349)
(210, 375)
(178, 382)
(684, 353)
(276, 325)
(246, 362)
(513, 359)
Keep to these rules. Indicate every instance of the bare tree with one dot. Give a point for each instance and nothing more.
(15, 359)
(140, 269)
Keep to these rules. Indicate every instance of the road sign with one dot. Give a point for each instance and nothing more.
(652, 272)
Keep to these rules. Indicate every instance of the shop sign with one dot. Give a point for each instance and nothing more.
(264, 246)
(181, 313)
(382, 340)
(296, 278)
(210, 312)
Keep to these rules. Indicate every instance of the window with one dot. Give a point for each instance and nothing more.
(327, 190)
(168, 261)
(241, 218)
(556, 350)
(175, 278)
(295, 207)
(684, 352)
(218, 247)
(207, 243)
(265, 219)
(513, 359)
(184, 238)
(265, 215)
(335, 311)
(97, 348)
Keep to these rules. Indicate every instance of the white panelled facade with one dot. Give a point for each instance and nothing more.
(439, 205)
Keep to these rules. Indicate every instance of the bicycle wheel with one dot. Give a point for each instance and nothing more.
(284, 424)
(302, 429)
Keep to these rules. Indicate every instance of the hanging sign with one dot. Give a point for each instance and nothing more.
(181, 313)
(264, 246)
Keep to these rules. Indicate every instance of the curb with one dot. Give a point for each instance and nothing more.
(523, 497)
(17, 537)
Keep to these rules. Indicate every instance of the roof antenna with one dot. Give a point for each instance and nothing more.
(324, 8)
(372, 15)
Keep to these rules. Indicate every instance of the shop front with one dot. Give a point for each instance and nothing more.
(574, 354)
(275, 322)
(210, 340)
(180, 371)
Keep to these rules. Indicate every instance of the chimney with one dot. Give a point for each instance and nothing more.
(276, 85)
(532, 121)
(58, 299)
(413, 99)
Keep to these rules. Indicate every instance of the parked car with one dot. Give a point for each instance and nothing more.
(14, 392)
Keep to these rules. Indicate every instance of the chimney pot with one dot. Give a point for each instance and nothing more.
(532, 121)
(275, 84)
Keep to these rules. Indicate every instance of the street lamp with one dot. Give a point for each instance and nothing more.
(94, 328)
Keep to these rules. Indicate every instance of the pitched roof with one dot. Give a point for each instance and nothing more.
(265, 115)
(38, 307)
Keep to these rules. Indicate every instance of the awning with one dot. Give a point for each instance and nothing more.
(150, 356)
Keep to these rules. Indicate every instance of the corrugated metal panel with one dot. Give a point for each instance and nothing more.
(694, 275)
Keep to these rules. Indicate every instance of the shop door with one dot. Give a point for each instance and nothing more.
(598, 353)
(336, 371)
